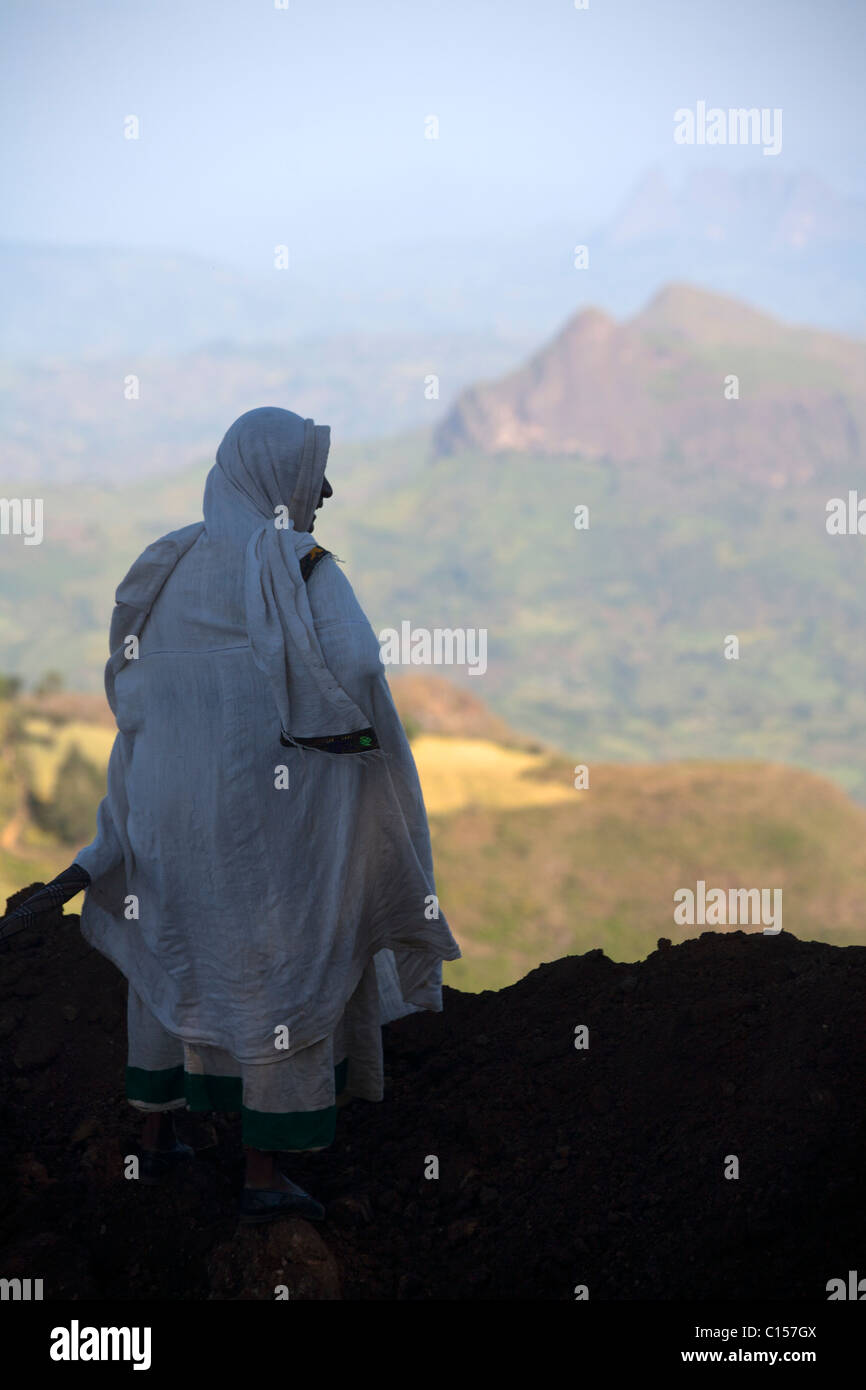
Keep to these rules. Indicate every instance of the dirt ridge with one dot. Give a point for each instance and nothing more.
(558, 1166)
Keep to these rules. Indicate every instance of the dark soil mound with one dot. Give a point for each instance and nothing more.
(558, 1167)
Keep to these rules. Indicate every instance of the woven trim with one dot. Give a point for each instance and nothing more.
(309, 561)
(361, 741)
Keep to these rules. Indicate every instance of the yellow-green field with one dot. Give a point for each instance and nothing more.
(460, 772)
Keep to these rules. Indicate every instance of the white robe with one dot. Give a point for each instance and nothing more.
(239, 907)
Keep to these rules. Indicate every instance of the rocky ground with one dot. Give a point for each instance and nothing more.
(601, 1166)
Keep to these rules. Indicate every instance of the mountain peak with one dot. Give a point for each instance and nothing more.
(700, 313)
(653, 388)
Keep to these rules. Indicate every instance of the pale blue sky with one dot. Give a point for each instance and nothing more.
(261, 125)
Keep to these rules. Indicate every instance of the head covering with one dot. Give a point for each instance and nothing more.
(272, 459)
(269, 460)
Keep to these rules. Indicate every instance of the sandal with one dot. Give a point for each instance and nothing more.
(264, 1204)
(155, 1163)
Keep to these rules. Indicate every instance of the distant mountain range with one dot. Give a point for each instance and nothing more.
(695, 377)
(357, 342)
(785, 242)
(65, 420)
(788, 212)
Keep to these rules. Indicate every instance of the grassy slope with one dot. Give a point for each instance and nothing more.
(529, 869)
(525, 885)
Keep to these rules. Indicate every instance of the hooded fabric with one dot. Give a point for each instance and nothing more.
(271, 464)
(243, 885)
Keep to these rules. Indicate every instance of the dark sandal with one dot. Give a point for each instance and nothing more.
(155, 1163)
(264, 1204)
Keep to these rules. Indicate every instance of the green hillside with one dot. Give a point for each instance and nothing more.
(607, 642)
(528, 868)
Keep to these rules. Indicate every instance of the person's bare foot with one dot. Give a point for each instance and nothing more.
(158, 1134)
(262, 1171)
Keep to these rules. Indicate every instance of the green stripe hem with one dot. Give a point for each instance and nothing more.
(298, 1129)
(154, 1087)
(311, 1129)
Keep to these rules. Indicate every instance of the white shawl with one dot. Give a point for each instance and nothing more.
(242, 885)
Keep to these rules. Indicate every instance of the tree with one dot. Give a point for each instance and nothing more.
(79, 787)
(51, 683)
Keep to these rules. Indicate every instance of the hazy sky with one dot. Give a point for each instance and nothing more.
(306, 125)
